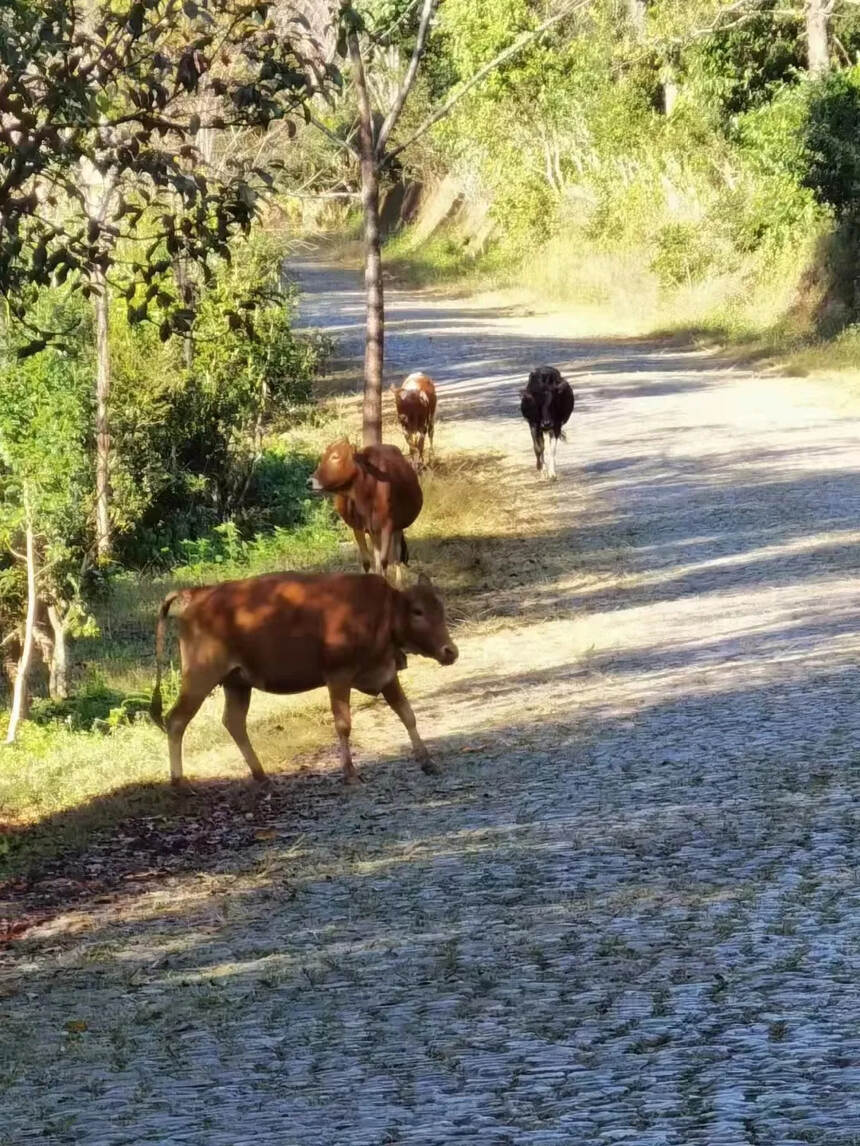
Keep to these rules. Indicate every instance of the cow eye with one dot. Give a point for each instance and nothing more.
(417, 611)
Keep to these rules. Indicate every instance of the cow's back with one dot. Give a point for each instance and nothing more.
(420, 383)
(288, 632)
(396, 490)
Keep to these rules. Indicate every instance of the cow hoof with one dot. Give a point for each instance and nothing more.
(353, 779)
(429, 767)
(182, 788)
(261, 780)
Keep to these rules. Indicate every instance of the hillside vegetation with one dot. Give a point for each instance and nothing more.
(678, 169)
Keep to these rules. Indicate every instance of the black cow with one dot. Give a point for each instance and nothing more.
(547, 403)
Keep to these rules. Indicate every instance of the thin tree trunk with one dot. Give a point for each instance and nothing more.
(186, 295)
(22, 678)
(11, 661)
(373, 347)
(818, 36)
(58, 684)
(103, 526)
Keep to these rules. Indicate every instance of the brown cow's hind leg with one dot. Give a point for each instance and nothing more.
(237, 699)
(339, 696)
(177, 721)
(396, 698)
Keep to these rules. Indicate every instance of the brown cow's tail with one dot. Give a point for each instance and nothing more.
(156, 710)
(404, 550)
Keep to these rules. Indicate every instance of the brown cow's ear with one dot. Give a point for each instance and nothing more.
(423, 579)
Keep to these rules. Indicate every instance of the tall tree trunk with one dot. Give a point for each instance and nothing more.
(636, 15)
(103, 528)
(670, 93)
(818, 36)
(58, 684)
(22, 678)
(373, 347)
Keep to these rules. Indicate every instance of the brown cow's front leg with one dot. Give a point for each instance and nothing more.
(339, 696)
(361, 542)
(395, 557)
(381, 549)
(237, 699)
(396, 698)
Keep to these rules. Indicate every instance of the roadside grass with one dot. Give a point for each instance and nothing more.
(87, 765)
(758, 314)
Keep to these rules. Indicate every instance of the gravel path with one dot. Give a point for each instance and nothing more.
(627, 912)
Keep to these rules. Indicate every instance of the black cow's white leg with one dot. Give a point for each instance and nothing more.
(396, 699)
(552, 471)
(537, 442)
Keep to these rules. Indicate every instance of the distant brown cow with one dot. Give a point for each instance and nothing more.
(415, 402)
(376, 492)
(289, 633)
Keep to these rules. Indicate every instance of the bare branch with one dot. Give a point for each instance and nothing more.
(345, 144)
(521, 42)
(409, 79)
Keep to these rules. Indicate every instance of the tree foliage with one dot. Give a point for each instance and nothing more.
(127, 89)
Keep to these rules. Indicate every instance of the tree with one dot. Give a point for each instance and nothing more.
(818, 13)
(120, 94)
(44, 502)
(101, 179)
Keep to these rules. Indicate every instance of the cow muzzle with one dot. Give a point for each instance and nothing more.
(314, 484)
(448, 654)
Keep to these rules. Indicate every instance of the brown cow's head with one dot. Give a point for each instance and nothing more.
(422, 628)
(337, 468)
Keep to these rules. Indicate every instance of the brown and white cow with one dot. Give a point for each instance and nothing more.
(289, 633)
(376, 492)
(415, 402)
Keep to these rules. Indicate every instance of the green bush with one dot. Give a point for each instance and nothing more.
(682, 255)
(832, 142)
(190, 442)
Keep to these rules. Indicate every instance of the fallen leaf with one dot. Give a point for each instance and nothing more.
(76, 1026)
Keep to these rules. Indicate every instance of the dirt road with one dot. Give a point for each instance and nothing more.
(628, 910)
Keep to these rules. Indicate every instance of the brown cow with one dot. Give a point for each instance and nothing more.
(376, 492)
(289, 633)
(415, 402)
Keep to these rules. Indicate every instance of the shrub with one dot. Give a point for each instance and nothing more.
(832, 143)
